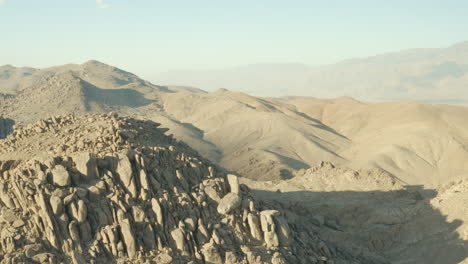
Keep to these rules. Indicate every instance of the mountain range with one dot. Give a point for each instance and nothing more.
(418, 143)
(382, 180)
(437, 75)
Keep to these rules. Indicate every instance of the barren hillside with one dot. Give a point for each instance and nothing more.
(263, 138)
(350, 181)
(417, 142)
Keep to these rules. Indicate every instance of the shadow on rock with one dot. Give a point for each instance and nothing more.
(118, 97)
(6, 126)
(382, 226)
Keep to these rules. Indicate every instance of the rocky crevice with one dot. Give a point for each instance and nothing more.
(6, 126)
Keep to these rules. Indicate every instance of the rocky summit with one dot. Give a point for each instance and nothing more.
(108, 189)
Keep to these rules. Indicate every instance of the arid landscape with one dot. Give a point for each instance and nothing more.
(100, 165)
(233, 132)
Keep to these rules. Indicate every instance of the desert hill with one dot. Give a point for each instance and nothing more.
(13, 79)
(270, 136)
(91, 86)
(417, 142)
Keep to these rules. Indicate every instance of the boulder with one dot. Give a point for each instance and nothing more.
(269, 228)
(163, 258)
(211, 253)
(254, 224)
(233, 181)
(86, 164)
(60, 176)
(125, 171)
(229, 203)
(179, 239)
(278, 259)
(128, 238)
(157, 210)
(56, 204)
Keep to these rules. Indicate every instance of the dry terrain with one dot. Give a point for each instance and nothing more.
(376, 182)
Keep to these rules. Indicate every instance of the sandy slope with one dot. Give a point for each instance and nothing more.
(270, 137)
(417, 142)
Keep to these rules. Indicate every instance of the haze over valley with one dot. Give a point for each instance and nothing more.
(433, 75)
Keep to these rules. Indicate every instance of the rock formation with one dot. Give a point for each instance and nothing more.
(102, 188)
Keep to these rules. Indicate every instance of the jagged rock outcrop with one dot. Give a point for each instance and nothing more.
(101, 188)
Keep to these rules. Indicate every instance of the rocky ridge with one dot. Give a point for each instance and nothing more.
(101, 188)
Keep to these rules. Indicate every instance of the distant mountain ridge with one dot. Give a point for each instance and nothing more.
(438, 75)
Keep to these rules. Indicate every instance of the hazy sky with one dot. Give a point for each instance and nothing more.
(145, 36)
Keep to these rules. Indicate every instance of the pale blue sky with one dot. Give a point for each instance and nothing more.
(145, 36)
